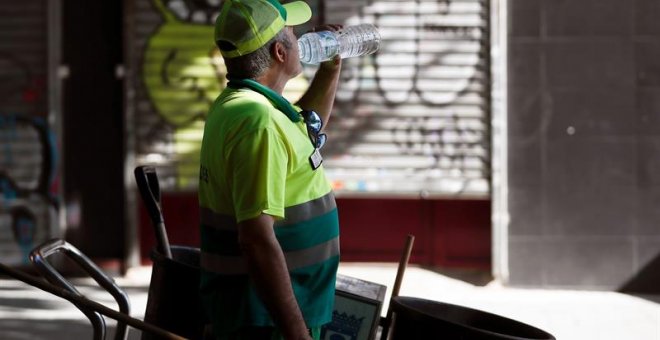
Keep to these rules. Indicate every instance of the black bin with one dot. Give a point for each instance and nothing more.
(416, 318)
(174, 303)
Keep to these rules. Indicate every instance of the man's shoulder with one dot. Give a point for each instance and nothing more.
(239, 113)
(243, 100)
(241, 106)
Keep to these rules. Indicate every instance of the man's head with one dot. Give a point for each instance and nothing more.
(246, 31)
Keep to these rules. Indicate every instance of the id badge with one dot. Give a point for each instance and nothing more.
(315, 159)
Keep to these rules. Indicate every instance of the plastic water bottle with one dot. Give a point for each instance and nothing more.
(351, 41)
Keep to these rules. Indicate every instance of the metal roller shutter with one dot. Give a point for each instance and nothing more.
(411, 120)
(27, 151)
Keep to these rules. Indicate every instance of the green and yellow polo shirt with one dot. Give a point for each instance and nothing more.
(255, 160)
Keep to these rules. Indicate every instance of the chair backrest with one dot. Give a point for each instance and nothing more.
(39, 257)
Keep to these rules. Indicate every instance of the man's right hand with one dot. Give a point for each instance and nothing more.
(335, 63)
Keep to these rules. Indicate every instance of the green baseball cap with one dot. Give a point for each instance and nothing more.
(243, 26)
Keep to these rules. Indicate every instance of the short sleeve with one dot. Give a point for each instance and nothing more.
(258, 163)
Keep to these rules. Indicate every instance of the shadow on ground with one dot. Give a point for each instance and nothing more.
(646, 282)
(475, 277)
(22, 329)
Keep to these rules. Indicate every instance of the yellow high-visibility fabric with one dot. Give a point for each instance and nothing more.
(254, 159)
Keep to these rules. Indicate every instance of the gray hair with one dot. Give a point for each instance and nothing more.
(252, 65)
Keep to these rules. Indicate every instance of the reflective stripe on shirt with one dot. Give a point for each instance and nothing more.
(236, 265)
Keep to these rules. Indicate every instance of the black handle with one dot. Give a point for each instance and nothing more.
(147, 182)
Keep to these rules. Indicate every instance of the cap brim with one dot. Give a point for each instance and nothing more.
(297, 12)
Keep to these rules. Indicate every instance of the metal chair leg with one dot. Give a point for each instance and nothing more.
(39, 257)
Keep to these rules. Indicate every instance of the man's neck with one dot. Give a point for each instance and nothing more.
(274, 79)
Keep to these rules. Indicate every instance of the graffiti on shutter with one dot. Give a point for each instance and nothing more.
(412, 119)
(28, 204)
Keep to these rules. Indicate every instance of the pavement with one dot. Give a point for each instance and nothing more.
(28, 313)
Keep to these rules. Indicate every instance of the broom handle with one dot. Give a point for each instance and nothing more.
(403, 263)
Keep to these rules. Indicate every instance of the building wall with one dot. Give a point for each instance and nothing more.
(583, 142)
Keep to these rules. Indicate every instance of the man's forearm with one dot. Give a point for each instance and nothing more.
(321, 93)
(268, 271)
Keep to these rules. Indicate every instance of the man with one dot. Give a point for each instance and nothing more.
(269, 226)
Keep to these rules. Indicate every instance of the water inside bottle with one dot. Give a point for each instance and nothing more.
(359, 40)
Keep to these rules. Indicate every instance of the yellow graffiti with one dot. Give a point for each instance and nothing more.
(183, 73)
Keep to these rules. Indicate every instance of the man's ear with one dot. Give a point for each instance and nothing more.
(279, 52)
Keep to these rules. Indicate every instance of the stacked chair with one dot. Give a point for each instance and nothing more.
(57, 285)
(173, 307)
